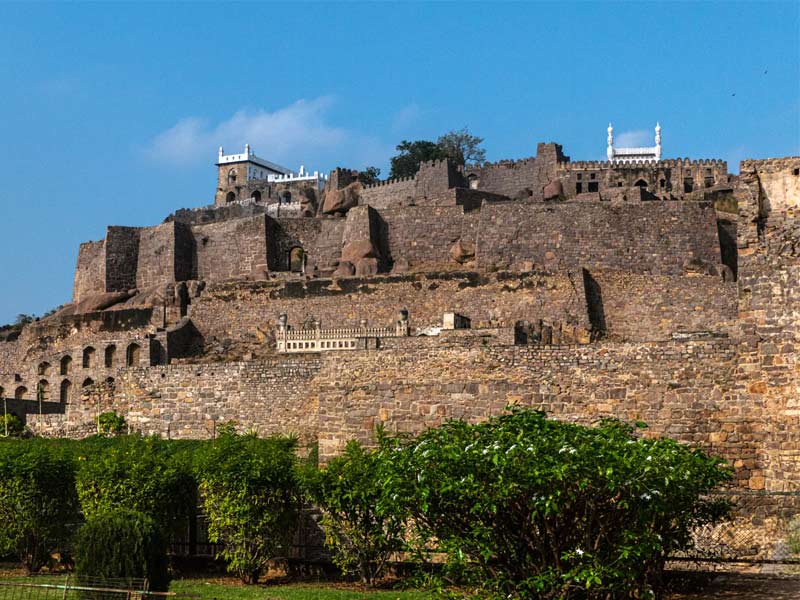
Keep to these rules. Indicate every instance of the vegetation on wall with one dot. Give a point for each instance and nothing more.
(460, 146)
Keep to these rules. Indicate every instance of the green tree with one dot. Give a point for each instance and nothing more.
(406, 163)
(369, 175)
(250, 495)
(363, 527)
(145, 474)
(38, 504)
(462, 147)
(528, 507)
(122, 544)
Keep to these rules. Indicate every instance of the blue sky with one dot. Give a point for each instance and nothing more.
(112, 113)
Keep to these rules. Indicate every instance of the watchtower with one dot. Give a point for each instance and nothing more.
(236, 170)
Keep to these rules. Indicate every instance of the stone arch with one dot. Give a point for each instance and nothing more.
(640, 183)
(66, 390)
(43, 390)
(20, 393)
(296, 259)
(87, 382)
(256, 196)
(44, 368)
(232, 176)
(88, 357)
(230, 197)
(66, 364)
(133, 355)
(110, 353)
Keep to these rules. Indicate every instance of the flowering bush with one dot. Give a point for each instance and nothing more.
(528, 507)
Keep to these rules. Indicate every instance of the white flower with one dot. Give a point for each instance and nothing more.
(649, 458)
(579, 552)
(645, 496)
(572, 451)
(510, 449)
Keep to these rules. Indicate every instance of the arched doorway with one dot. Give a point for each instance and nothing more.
(66, 364)
(44, 368)
(641, 183)
(87, 382)
(296, 259)
(132, 355)
(88, 357)
(256, 196)
(110, 352)
(66, 389)
(231, 197)
(20, 393)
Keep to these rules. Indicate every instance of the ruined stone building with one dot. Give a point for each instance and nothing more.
(661, 290)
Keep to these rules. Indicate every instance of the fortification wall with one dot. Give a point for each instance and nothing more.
(494, 300)
(188, 401)
(234, 249)
(641, 307)
(682, 389)
(90, 272)
(653, 237)
(392, 192)
(423, 235)
(668, 178)
(320, 239)
(122, 258)
(156, 256)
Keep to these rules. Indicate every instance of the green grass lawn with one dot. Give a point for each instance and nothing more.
(234, 591)
(231, 589)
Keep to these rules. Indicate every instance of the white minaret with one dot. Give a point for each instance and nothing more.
(610, 149)
(658, 141)
(246, 150)
(220, 153)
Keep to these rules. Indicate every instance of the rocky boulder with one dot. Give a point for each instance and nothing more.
(367, 267)
(340, 201)
(345, 269)
(553, 190)
(462, 251)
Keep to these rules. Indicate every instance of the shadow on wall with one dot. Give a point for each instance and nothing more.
(594, 304)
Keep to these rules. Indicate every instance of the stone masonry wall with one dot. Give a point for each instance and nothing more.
(652, 237)
(494, 300)
(653, 307)
(681, 389)
(234, 249)
(122, 258)
(90, 272)
(423, 235)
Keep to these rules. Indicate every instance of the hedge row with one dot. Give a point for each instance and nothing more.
(522, 506)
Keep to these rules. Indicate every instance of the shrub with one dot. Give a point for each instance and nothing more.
(530, 507)
(122, 544)
(142, 474)
(11, 424)
(250, 497)
(363, 527)
(110, 423)
(38, 503)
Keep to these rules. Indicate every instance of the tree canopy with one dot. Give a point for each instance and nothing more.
(458, 145)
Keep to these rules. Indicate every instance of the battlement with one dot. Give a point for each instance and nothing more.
(386, 182)
(640, 164)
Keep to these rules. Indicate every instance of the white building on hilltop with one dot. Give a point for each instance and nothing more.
(627, 155)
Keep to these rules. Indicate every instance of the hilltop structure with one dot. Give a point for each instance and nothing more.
(319, 305)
